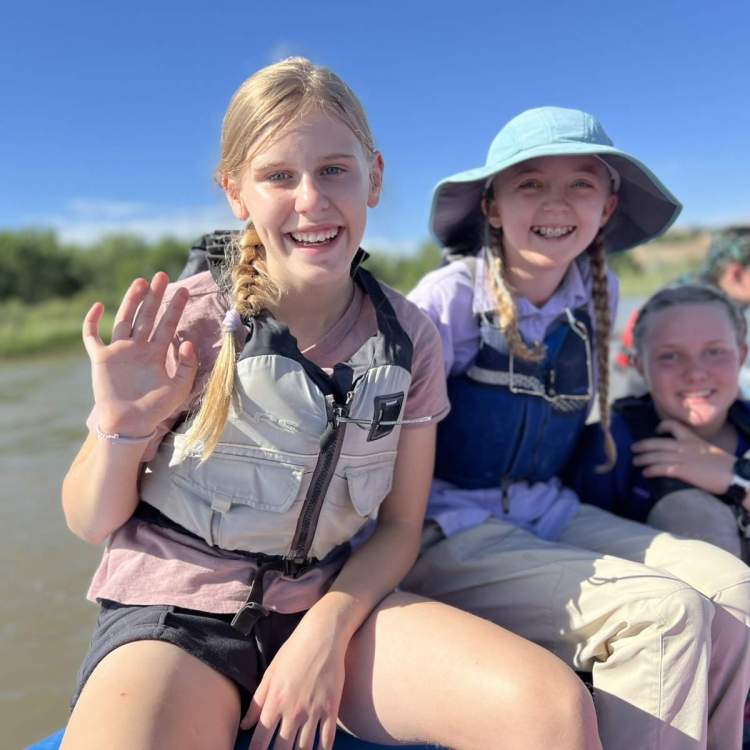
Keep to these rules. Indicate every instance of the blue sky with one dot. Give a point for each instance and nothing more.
(111, 112)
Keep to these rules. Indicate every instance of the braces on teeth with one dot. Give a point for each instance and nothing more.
(552, 231)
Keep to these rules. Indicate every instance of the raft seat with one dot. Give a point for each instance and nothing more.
(344, 741)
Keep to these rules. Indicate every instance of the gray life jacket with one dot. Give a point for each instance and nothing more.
(305, 458)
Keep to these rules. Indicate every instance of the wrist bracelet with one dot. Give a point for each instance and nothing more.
(116, 437)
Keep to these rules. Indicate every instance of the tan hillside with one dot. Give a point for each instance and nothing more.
(675, 249)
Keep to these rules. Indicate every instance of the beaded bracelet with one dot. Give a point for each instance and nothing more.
(116, 437)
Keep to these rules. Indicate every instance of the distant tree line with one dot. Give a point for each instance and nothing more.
(35, 266)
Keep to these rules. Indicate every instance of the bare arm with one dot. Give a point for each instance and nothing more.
(133, 393)
(382, 562)
(303, 685)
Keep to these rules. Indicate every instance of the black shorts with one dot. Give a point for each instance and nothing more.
(209, 637)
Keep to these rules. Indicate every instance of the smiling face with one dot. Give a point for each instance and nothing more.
(550, 209)
(690, 360)
(307, 194)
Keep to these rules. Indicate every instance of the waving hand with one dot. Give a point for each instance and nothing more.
(133, 390)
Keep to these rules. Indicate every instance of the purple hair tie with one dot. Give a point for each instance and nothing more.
(232, 321)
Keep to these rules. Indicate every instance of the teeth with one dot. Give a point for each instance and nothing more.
(697, 394)
(552, 231)
(311, 237)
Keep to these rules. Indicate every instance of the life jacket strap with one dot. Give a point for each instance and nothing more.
(252, 610)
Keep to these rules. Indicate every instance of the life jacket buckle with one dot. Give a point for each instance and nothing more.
(293, 566)
(248, 615)
(743, 521)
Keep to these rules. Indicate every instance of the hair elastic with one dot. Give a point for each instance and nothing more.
(232, 321)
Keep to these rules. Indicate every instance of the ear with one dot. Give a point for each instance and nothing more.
(490, 210)
(609, 208)
(743, 353)
(376, 180)
(735, 271)
(640, 367)
(232, 191)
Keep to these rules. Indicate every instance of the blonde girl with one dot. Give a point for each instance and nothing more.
(524, 311)
(681, 446)
(247, 423)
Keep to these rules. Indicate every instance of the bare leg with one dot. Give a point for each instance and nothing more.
(152, 695)
(421, 671)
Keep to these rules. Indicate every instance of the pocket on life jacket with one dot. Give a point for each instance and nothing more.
(232, 477)
(368, 485)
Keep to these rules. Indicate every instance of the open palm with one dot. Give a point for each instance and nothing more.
(133, 390)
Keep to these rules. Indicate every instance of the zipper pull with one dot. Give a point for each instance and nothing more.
(335, 412)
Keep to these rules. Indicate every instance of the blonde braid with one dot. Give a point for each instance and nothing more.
(252, 290)
(505, 303)
(602, 327)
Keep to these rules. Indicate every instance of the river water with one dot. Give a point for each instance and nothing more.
(45, 621)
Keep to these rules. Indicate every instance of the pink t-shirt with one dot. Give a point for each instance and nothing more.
(147, 564)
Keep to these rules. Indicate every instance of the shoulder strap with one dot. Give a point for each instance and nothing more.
(207, 254)
(639, 415)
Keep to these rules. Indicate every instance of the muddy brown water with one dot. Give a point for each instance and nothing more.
(45, 622)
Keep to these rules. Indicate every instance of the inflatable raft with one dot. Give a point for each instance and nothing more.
(343, 742)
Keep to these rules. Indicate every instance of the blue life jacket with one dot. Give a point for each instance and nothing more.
(514, 420)
(640, 417)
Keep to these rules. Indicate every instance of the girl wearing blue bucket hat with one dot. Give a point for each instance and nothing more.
(524, 307)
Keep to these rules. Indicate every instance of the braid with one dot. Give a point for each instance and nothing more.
(505, 303)
(603, 322)
(252, 290)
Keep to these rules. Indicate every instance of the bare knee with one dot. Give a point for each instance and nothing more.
(150, 694)
(556, 711)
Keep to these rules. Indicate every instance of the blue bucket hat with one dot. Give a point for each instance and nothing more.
(645, 210)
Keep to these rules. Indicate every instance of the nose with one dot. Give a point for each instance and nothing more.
(309, 195)
(554, 198)
(695, 370)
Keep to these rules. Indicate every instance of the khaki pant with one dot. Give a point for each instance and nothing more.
(695, 514)
(670, 665)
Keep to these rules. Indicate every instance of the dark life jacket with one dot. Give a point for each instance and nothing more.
(512, 419)
(640, 417)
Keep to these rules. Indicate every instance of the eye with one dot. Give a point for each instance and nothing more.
(667, 358)
(530, 184)
(332, 170)
(583, 183)
(278, 176)
(716, 352)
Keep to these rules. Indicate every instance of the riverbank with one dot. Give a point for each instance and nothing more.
(49, 327)
(55, 324)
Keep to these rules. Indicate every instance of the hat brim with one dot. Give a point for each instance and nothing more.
(645, 210)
